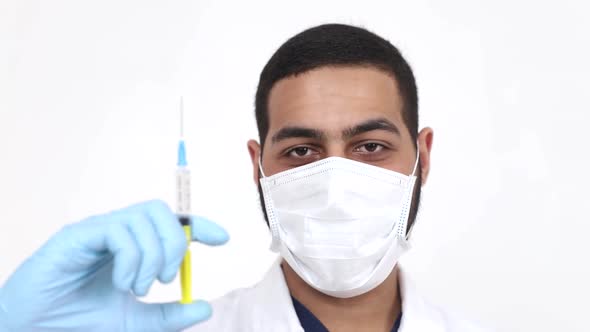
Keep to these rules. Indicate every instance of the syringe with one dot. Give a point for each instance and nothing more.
(183, 206)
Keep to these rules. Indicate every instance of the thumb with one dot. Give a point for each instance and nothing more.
(208, 232)
(172, 316)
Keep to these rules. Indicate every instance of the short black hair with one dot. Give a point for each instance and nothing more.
(336, 45)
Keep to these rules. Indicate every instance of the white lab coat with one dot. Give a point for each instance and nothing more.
(267, 307)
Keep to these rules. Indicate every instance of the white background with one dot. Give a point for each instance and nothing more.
(89, 123)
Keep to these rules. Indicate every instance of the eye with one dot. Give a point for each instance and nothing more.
(300, 151)
(369, 148)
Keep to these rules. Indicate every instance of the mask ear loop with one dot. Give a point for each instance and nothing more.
(402, 228)
(268, 203)
(417, 159)
(260, 165)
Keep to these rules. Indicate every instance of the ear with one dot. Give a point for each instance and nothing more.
(425, 145)
(254, 151)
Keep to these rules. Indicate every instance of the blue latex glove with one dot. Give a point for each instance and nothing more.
(87, 276)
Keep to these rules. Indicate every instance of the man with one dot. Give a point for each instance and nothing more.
(339, 166)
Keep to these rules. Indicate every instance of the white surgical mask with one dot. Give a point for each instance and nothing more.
(340, 224)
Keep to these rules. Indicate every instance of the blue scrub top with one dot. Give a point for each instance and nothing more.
(310, 323)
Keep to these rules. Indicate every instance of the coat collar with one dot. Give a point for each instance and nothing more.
(278, 309)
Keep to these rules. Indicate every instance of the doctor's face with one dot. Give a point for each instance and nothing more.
(351, 112)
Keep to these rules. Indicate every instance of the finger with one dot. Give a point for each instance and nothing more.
(171, 235)
(99, 235)
(172, 316)
(127, 256)
(208, 232)
(152, 256)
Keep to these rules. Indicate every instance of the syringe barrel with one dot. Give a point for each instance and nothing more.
(183, 191)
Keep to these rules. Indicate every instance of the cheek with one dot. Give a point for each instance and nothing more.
(392, 166)
(400, 162)
(271, 165)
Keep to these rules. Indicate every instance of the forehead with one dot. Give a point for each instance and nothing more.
(332, 98)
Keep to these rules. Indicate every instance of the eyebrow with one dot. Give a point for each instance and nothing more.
(304, 132)
(297, 132)
(370, 125)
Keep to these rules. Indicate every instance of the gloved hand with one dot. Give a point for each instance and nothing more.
(85, 277)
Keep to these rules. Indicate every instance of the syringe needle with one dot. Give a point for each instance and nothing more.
(181, 117)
